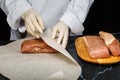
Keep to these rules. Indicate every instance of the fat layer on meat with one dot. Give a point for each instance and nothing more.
(96, 47)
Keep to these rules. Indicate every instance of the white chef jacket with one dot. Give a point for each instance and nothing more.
(71, 12)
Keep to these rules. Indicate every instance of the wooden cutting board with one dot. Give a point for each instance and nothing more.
(83, 53)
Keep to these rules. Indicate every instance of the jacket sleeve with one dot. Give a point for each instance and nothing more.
(75, 14)
(14, 9)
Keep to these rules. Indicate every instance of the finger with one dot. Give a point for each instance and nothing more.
(30, 26)
(37, 35)
(36, 25)
(30, 31)
(60, 37)
(40, 22)
(54, 33)
(65, 39)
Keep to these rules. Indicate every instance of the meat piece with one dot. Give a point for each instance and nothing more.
(36, 46)
(111, 42)
(96, 47)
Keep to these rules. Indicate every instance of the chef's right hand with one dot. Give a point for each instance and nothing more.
(33, 23)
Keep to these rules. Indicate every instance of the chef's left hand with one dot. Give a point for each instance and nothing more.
(61, 31)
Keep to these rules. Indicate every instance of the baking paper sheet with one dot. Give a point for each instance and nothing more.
(17, 66)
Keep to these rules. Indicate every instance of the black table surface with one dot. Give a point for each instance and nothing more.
(90, 71)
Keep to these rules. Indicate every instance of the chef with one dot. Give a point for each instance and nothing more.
(35, 16)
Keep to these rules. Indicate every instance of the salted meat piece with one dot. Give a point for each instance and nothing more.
(112, 43)
(96, 47)
(36, 46)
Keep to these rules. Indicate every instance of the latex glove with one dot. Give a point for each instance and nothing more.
(33, 23)
(60, 31)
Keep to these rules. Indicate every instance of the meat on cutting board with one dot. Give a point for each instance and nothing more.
(96, 47)
(111, 42)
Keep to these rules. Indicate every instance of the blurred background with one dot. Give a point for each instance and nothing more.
(103, 15)
(4, 27)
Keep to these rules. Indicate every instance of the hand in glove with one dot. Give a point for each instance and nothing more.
(61, 32)
(33, 23)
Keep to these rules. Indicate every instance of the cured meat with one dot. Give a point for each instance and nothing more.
(96, 47)
(111, 42)
(36, 46)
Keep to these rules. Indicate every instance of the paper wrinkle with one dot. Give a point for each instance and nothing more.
(58, 75)
(58, 66)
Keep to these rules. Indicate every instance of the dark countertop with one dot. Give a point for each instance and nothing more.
(94, 71)
(89, 71)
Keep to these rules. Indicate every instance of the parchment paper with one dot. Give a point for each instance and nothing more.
(17, 66)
